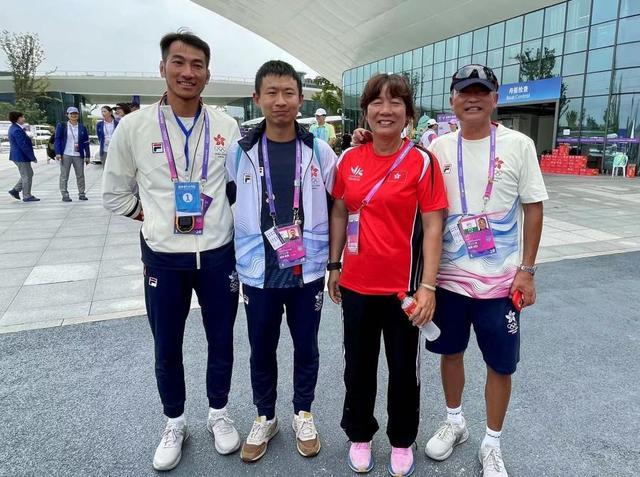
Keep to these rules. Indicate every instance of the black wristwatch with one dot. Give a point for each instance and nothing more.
(334, 266)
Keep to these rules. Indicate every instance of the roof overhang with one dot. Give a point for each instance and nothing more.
(332, 36)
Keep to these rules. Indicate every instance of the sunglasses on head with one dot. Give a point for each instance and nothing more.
(475, 71)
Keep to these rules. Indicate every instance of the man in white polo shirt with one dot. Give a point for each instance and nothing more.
(491, 237)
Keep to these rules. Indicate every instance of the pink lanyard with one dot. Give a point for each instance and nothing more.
(395, 164)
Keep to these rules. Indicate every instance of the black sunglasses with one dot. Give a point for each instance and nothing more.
(475, 71)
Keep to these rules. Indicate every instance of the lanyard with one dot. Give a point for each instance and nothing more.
(169, 152)
(492, 166)
(395, 164)
(296, 181)
(70, 127)
(187, 134)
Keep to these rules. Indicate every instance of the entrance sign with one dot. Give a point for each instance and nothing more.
(539, 91)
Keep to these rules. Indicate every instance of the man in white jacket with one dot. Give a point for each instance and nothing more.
(174, 152)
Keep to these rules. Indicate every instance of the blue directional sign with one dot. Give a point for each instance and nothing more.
(539, 91)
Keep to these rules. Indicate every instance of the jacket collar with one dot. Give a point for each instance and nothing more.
(252, 138)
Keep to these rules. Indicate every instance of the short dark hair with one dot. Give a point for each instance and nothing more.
(398, 87)
(277, 68)
(14, 116)
(187, 38)
(124, 106)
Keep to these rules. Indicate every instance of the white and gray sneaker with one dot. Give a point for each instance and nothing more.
(448, 435)
(225, 436)
(492, 463)
(169, 451)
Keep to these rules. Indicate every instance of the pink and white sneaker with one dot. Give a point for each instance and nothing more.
(360, 458)
(401, 464)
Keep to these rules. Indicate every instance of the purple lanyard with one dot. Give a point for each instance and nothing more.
(169, 152)
(296, 181)
(395, 164)
(492, 167)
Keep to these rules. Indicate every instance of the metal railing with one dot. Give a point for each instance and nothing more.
(133, 74)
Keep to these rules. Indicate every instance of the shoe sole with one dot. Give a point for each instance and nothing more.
(298, 447)
(220, 451)
(175, 464)
(409, 472)
(372, 464)
(261, 455)
(446, 455)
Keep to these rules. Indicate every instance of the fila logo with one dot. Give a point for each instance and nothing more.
(247, 179)
(156, 148)
(447, 169)
(357, 171)
(153, 282)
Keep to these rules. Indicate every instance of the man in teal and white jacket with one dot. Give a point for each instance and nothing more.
(282, 175)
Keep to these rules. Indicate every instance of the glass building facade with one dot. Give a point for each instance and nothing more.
(593, 45)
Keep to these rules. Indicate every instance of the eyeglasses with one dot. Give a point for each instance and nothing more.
(475, 71)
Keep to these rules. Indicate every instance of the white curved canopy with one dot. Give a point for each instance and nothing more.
(332, 36)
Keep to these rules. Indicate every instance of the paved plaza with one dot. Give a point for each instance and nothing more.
(67, 263)
(81, 400)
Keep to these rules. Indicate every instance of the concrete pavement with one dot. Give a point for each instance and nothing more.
(82, 401)
(66, 263)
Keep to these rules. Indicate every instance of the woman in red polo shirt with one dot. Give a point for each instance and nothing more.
(387, 218)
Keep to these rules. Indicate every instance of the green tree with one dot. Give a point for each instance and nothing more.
(31, 110)
(329, 96)
(24, 55)
(539, 64)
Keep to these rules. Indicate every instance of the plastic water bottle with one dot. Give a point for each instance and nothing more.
(408, 304)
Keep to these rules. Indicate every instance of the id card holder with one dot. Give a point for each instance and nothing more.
(292, 251)
(76, 147)
(477, 235)
(187, 197)
(198, 227)
(353, 233)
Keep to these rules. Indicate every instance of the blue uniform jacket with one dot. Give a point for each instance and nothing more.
(83, 140)
(21, 145)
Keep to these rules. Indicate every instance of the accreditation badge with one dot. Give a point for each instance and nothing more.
(187, 196)
(353, 233)
(291, 252)
(477, 235)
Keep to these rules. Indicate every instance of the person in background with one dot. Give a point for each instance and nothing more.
(72, 149)
(51, 145)
(430, 133)
(135, 106)
(322, 129)
(453, 125)
(105, 129)
(121, 110)
(21, 154)
(389, 202)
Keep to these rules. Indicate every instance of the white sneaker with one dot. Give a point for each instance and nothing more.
(225, 436)
(449, 435)
(261, 433)
(492, 463)
(307, 439)
(169, 451)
